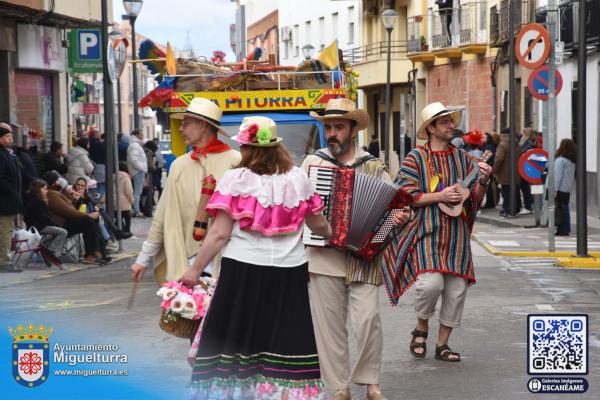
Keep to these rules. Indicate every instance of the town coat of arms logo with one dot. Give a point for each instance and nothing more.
(30, 354)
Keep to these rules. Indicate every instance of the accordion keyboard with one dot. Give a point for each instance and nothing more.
(323, 180)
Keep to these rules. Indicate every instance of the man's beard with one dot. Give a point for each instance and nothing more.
(336, 148)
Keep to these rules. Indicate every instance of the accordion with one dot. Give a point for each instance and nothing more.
(359, 207)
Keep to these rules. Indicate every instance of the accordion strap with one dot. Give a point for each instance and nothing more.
(332, 160)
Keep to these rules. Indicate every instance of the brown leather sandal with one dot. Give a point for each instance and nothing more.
(444, 353)
(416, 345)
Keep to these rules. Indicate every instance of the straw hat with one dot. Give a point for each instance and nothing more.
(257, 131)
(205, 110)
(432, 112)
(343, 109)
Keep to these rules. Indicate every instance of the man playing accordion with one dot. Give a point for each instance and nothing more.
(338, 279)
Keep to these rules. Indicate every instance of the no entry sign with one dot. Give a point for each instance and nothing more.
(538, 82)
(532, 164)
(532, 46)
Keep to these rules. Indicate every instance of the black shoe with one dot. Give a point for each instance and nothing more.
(120, 235)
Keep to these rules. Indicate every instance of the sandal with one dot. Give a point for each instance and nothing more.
(416, 345)
(444, 353)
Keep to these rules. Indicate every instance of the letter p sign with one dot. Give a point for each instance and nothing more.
(89, 44)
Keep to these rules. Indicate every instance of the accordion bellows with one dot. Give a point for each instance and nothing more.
(269, 204)
(359, 208)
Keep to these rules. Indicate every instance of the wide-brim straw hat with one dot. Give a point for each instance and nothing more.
(205, 110)
(432, 112)
(258, 132)
(343, 109)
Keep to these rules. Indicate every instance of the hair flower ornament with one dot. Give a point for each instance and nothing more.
(263, 136)
(247, 133)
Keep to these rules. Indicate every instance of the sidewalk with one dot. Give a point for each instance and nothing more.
(131, 246)
(517, 237)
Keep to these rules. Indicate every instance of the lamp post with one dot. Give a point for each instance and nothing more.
(133, 8)
(307, 51)
(389, 18)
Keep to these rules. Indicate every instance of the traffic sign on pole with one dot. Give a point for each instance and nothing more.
(538, 82)
(532, 165)
(532, 46)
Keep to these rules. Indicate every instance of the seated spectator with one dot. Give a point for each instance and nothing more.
(79, 162)
(37, 214)
(82, 200)
(53, 161)
(65, 215)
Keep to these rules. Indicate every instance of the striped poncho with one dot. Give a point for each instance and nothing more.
(435, 242)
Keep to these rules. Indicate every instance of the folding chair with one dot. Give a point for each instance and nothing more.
(25, 255)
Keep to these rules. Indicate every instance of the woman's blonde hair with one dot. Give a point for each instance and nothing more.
(528, 133)
(266, 160)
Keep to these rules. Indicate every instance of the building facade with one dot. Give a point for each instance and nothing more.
(316, 23)
(532, 112)
(33, 71)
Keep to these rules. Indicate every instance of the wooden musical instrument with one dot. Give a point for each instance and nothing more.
(454, 210)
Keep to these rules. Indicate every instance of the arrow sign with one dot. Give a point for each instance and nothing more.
(532, 164)
(538, 82)
(532, 46)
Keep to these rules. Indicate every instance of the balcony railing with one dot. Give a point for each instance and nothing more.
(459, 26)
(473, 24)
(376, 51)
(416, 35)
(445, 28)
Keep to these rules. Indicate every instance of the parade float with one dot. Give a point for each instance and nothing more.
(285, 94)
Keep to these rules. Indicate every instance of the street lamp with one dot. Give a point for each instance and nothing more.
(133, 8)
(389, 18)
(307, 51)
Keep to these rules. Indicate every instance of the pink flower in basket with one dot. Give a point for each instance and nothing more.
(181, 300)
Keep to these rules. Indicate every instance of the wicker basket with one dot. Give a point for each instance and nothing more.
(180, 327)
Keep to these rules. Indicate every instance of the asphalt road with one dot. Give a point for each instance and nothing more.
(91, 305)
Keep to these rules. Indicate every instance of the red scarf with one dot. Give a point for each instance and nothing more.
(214, 146)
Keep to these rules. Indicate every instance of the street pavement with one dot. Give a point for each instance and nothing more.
(519, 234)
(492, 339)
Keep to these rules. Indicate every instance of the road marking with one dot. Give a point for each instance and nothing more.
(544, 307)
(71, 304)
(504, 243)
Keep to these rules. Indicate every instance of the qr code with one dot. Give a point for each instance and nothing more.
(557, 344)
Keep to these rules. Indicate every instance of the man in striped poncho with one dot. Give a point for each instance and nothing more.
(435, 254)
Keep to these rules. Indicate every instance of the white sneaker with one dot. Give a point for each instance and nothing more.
(112, 246)
(524, 211)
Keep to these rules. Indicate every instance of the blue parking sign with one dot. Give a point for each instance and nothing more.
(88, 44)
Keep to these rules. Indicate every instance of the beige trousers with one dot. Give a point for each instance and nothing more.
(331, 299)
(6, 234)
(453, 289)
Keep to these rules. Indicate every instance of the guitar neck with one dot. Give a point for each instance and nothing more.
(473, 174)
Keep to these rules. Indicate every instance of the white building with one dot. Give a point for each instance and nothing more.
(316, 22)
